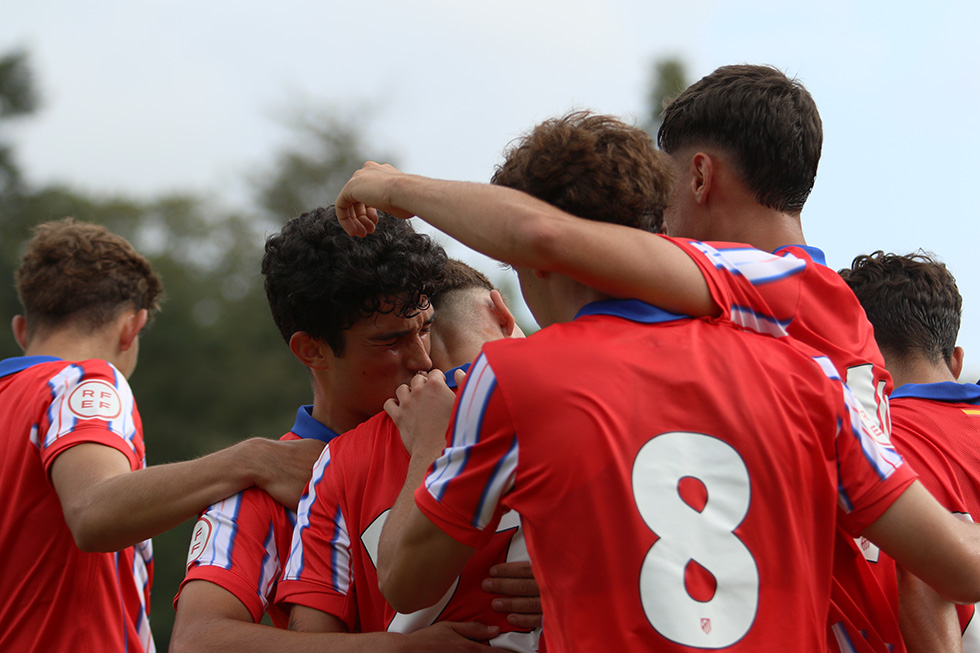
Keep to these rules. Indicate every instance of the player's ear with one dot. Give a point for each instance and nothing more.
(701, 179)
(502, 314)
(132, 324)
(312, 352)
(19, 326)
(956, 362)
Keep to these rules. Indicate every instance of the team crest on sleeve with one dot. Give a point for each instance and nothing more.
(95, 400)
(200, 539)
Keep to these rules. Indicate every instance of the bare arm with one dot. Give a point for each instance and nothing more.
(108, 507)
(931, 543)
(929, 622)
(514, 227)
(209, 618)
(417, 562)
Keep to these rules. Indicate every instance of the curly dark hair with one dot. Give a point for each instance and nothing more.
(766, 121)
(593, 166)
(81, 274)
(912, 301)
(321, 281)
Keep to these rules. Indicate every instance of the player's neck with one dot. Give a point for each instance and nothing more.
(574, 296)
(918, 370)
(760, 226)
(70, 345)
(329, 410)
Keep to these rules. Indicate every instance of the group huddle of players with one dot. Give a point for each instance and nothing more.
(696, 451)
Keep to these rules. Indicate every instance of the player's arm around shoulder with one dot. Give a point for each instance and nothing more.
(108, 506)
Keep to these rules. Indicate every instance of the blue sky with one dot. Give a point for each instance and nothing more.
(183, 95)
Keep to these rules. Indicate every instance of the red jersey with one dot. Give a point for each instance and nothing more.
(332, 565)
(936, 428)
(241, 543)
(676, 494)
(59, 598)
(792, 292)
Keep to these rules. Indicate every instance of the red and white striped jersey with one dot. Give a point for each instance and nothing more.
(241, 543)
(936, 428)
(792, 292)
(60, 598)
(332, 565)
(679, 480)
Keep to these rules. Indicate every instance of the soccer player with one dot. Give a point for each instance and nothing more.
(330, 578)
(356, 314)
(653, 526)
(80, 502)
(744, 144)
(914, 305)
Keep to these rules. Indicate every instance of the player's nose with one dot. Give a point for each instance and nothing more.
(418, 357)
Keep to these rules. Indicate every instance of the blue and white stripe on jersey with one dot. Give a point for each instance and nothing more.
(142, 557)
(874, 443)
(466, 432)
(62, 421)
(755, 265)
(221, 545)
(758, 268)
(340, 539)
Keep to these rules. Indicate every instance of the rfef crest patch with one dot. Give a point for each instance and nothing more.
(200, 539)
(95, 400)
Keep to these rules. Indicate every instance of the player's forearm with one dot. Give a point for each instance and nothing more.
(124, 509)
(500, 222)
(224, 634)
(516, 228)
(405, 582)
(929, 622)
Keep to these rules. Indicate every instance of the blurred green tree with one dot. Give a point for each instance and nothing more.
(213, 368)
(667, 79)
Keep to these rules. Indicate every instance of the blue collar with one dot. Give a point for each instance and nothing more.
(629, 309)
(21, 363)
(815, 253)
(451, 375)
(958, 393)
(308, 427)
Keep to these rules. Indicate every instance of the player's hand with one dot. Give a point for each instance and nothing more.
(450, 636)
(284, 468)
(367, 192)
(523, 603)
(421, 409)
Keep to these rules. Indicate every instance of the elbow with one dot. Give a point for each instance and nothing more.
(402, 594)
(191, 638)
(88, 532)
(969, 592)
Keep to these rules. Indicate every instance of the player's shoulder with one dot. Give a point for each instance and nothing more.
(353, 453)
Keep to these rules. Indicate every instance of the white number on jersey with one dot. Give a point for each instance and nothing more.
(407, 623)
(706, 537)
(872, 399)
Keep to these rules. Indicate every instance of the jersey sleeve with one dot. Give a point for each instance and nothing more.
(871, 473)
(236, 545)
(318, 573)
(89, 402)
(464, 489)
(757, 290)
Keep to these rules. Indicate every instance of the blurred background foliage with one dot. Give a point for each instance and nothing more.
(213, 368)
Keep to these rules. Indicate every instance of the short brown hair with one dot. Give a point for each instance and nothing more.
(766, 121)
(81, 274)
(912, 301)
(593, 166)
(459, 276)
